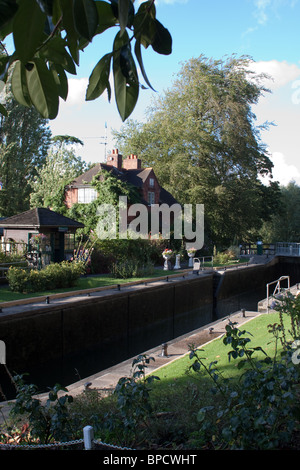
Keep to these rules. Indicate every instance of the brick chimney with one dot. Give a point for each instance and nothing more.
(132, 162)
(115, 159)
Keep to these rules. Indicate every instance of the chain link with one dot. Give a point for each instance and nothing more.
(59, 444)
(40, 446)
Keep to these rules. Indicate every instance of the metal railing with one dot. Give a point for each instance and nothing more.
(288, 249)
(278, 288)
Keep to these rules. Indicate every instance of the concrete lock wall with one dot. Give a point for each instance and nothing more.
(133, 321)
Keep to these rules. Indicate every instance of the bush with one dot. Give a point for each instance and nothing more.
(131, 268)
(53, 276)
(261, 411)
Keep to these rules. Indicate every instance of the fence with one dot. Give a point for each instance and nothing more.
(87, 443)
(288, 249)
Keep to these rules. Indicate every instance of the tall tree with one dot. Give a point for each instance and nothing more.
(24, 142)
(61, 167)
(284, 225)
(201, 139)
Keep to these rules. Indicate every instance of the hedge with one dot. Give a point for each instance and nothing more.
(53, 276)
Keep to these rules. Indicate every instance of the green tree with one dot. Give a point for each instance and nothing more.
(284, 225)
(200, 137)
(61, 167)
(49, 36)
(24, 142)
(108, 188)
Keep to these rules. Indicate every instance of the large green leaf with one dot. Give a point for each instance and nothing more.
(85, 18)
(46, 6)
(99, 79)
(7, 10)
(123, 8)
(60, 79)
(106, 16)
(28, 29)
(68, 23)
(138, 53)
(126, 83)
(144, 24)
(42, 89)
(19, 84)
(55, 52)
(162, 43)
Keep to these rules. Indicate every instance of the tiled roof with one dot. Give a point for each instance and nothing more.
(135, 177)
(37, 218)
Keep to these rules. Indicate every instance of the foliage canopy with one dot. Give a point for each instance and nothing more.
(49, 35)
(202, 141)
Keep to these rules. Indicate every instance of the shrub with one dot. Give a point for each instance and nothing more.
(259, 412)
(56, 275)
(131, 268)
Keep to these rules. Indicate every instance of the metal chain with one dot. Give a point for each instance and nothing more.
(40, 446)
(59, 444)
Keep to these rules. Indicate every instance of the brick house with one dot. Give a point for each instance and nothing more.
(129, 170)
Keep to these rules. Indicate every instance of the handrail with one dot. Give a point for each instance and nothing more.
(277, 287)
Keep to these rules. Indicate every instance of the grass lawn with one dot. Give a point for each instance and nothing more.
(177, 397)
(176, 371)
(85, 282)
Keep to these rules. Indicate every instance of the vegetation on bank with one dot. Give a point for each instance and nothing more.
(240, 391)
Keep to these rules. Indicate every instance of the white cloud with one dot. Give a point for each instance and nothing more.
(265, 8)
(77, 90)
(280, 73)
(261, 10)
(283, 171)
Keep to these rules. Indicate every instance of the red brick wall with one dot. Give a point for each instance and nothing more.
(132, 163)
(148, 188)
(71, 197)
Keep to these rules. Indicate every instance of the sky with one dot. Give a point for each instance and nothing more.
(268, 31)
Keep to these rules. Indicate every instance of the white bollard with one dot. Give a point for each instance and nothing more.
(88, 437)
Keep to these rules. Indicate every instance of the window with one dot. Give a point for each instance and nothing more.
(151, 182)
(151, 198)
(86, 195)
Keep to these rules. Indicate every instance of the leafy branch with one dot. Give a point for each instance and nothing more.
(49, 35)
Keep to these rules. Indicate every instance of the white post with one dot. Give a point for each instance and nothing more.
(88, 437)
(177, 264)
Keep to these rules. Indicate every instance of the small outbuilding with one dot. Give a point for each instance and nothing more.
(42, 231)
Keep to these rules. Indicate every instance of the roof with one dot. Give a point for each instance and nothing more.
(136, 177)
(88, 176)
(38, 218)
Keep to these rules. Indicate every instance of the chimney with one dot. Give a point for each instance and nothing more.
(132, 162)
(115, 159)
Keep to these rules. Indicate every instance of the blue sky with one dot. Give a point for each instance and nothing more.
(266, 30)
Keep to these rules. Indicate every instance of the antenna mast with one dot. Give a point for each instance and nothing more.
(105, 142)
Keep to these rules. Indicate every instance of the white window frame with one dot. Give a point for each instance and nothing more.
(86, 195)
